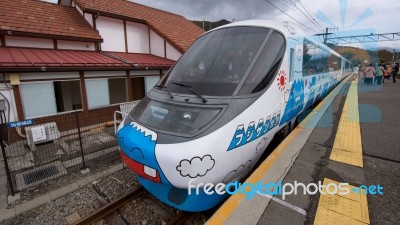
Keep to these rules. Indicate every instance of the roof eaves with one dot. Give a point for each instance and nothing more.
(112, 15)
(179, 48)
(49, 36)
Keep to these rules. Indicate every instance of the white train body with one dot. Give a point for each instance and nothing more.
(237, 122)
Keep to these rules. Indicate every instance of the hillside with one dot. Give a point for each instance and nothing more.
(208, 25)
(362, 56)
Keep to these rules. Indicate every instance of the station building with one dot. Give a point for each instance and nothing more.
(84, 54)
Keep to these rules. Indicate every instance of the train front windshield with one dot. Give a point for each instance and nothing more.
(218, 61)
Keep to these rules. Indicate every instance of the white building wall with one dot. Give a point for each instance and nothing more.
(156, 44)
(112, 31)
(74, 45)
(172, 53)
(138, 37)
(89, 18)
(28, 42)
(9, 94)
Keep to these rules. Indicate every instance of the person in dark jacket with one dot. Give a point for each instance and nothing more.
(395, 71)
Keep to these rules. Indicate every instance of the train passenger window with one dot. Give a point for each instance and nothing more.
(266, 66)
(317, 60)
(217, 61)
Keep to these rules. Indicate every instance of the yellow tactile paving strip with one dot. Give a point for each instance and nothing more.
(346, 209)
(347, 147)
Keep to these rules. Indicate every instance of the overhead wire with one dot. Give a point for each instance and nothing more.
(309, 16)
(291, 16)
(296, 9)
(308, 12)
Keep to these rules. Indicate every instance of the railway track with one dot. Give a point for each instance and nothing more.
(109, 210)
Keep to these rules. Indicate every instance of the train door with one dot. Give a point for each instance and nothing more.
(292, 66)
(292, 61)
(294, 97)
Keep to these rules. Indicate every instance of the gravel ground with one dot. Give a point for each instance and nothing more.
(55, 212)
(138, 212)
(197, 219)
(141, 211)
(118, 184)
(74, 174)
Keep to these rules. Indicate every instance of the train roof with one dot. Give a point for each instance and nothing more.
(286, 28)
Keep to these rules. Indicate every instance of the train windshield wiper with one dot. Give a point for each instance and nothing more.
(191, 90)
(163, 86)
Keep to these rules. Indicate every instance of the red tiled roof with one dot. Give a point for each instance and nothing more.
(142, 60)
(30, 59)
(40, 18)
(38, 58)
(178, 31)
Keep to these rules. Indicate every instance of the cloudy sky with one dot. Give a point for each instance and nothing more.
(353, 17)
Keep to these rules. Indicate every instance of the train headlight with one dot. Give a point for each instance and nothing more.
(187, 116)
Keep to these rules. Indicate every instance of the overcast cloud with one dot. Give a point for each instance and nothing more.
(359, 16)
(371, 15)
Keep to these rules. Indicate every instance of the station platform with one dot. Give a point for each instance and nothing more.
(351, 137)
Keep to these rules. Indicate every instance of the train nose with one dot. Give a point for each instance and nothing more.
(137, 145)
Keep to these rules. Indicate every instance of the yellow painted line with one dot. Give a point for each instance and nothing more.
(347, 147)
(224, 212)
(231, 204)
(351, 208)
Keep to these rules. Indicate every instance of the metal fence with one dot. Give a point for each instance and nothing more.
(47, 148)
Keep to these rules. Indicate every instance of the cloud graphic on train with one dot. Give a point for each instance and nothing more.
(196, 167)
(261, 145)
(243, 169)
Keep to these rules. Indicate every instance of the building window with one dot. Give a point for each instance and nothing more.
(151, 82)
(138, 88)
(49, 98)
(104, 92)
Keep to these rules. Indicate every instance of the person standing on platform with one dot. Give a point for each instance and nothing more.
(355, 71)
(369, 74)
(379, 74)
(395, 71)
(361, 74)
(386, 74)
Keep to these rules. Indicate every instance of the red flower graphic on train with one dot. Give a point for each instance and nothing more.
(281, 80)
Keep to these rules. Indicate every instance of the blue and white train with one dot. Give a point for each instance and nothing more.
(214, 113)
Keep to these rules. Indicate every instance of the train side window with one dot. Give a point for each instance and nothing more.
(317, 60)
(266, 66)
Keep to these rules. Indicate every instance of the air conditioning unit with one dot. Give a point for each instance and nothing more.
(43, 133)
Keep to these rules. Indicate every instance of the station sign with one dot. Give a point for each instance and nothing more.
(21, 123)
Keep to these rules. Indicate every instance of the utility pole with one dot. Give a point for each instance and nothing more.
(394, 52)
(327, 33)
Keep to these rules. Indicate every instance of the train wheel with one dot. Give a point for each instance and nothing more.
(284, 132)
(294, 123)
